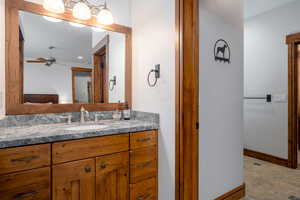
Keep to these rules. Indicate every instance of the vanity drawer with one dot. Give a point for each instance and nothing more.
(145, 190)
(32, 184)
(23, 158)
(87, 148)
(143, 139)
(143, 164)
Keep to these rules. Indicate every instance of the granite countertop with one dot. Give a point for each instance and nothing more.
(39, 134)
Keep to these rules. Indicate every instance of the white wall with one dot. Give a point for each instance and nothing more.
(221, 91)
(266, 66)
(2, 57)
(153, 25)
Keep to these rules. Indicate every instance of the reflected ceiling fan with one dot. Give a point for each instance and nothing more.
(48, 62)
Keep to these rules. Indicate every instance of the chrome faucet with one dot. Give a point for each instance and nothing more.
(83, 112)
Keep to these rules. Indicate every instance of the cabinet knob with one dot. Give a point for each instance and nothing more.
(88, 169)
(103, 166)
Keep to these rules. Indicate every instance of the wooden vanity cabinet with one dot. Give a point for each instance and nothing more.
(117, 167)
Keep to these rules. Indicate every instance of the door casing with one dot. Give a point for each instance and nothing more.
(187, 99)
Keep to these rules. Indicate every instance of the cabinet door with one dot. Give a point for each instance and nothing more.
(74, 180)
(27, 185)
(112, 180)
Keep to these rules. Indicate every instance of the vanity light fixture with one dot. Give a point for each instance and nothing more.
(76, 24)
(56, 6)
(82, 9)
(104, 16)
(52, 19)
(80, 57)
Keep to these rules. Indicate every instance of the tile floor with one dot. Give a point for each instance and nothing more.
(266, 181)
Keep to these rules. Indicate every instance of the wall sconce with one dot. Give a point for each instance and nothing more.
(112, 83)
(156, 72)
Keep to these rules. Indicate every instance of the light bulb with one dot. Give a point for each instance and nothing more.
(52, 19)
(76, 24)
(105, 17)
(82, 11)
(56, 6)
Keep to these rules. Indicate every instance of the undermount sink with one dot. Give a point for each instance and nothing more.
(86, 127)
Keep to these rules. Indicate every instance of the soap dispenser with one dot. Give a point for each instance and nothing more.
(126, 112)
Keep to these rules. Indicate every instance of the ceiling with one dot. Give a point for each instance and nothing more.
(256, 7)
(69, 41)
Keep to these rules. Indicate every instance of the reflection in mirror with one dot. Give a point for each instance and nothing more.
(82, 85)
(71, 61)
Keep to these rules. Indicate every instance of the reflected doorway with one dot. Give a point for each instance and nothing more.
(82, 89)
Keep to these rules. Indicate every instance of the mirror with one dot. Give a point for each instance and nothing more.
(68, 63)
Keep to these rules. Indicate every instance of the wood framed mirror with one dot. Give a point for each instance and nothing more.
(45, 70)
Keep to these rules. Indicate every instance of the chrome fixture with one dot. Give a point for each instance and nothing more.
(83, 112)
(68, 118)
(156, 72)
(82, 9)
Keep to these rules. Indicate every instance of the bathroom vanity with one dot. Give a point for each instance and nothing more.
(63, 161)
(56, 66)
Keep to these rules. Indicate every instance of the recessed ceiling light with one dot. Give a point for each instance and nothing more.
(80, 57)
(52, 19)
(97, 29)
(76, 24)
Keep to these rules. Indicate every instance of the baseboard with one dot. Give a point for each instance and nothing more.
(266, 157)
(235, 194)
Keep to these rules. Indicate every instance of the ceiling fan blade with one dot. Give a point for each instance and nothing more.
(39, 60)
(36, 61)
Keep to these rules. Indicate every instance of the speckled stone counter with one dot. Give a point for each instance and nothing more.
(38, 129)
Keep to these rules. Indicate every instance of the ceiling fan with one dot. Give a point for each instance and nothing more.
(48, 62)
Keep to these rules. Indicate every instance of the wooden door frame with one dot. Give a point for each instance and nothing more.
(187, 99)
(293, 41)
(101, 48)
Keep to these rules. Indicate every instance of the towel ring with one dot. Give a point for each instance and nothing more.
(156, 72)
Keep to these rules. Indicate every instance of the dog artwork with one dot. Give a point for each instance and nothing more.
(222, 51)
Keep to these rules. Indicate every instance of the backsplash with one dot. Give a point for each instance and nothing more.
(37, 119)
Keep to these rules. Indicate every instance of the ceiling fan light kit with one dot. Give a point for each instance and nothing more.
(82, 9)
